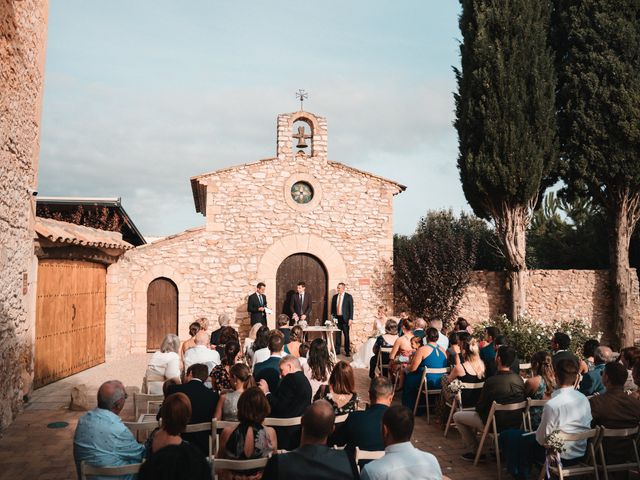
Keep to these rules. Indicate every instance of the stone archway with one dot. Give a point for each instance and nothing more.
(326, 252)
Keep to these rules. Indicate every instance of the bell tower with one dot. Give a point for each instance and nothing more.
(302, 134)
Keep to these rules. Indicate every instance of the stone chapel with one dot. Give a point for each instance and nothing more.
(295, 217)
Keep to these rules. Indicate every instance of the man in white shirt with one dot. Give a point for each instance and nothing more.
(401, 461)
(443, 341)
(201, 353)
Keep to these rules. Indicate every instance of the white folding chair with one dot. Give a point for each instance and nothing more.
(427, 392)
(531, 403)
(341, 418)
(584, 468)
(221, 425)
(138, 428)
(456, 404)
(380, 365)
(367, 455)
(210, 427)
(631, 434)
(87, 471)
(146, 400)
(491, 428)
(282, 422)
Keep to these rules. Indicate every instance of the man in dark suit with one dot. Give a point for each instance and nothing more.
(289, 400)
(203, 403)
(256, 305)
(269, 370)
(363, 429)
(301, 304)
(313, 457)
(560, 343)
(342, 310)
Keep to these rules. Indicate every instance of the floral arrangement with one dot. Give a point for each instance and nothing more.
(554, 442)
(455, 386)
(528, 335)
(330, 323)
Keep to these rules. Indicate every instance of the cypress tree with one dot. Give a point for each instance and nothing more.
(597, 45)
(506, 120)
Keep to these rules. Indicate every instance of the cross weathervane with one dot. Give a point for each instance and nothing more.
(302, 96)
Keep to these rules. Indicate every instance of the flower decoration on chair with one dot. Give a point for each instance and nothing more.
(455, 386)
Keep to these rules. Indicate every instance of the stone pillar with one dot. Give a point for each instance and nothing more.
(23, 31)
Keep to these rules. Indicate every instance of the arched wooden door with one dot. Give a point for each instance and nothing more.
(302, 267)
(162, 311)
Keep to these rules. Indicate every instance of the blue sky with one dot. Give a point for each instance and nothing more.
(140, 96)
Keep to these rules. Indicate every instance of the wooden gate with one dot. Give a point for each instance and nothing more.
(70, 318)
(162, 311)
(308, 269)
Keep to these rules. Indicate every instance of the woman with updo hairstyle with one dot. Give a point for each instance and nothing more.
(220, 373)
(319, 365)
(241, 380)
(194, 328)
(541, 384)
(386, 340)
(295, 339)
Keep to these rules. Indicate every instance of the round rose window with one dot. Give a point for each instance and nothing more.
(302, 192)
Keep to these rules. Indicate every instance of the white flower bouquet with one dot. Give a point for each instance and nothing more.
(455, 386)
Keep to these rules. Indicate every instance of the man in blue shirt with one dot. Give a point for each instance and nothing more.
(592, 381)
(101, 439)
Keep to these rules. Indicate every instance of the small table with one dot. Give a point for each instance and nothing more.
(328, 336)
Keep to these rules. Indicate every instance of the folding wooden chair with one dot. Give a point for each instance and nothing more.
(490, 428)
(631, 434)
(138, 428)
(221, 425)
(237, 465)
(526, 367)
(367, 455)
(210, 427)
(87, 471)
(456, 404)
(282, 422)
(380, 365)
(584, 468)
(427, 392)
(528, 426)
(146, 400)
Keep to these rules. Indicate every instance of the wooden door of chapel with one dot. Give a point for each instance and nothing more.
(302, 267)
(162, 311)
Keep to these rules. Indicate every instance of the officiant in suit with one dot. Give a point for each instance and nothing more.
(342, 310)
(256, 305)
(301, 304)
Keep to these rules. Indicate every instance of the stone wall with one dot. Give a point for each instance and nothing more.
(23, 28)
(252, 226)
(551, 295)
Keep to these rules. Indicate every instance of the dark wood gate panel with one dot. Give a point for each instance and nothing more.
(306, 268)
(162, 311)
(70, 318)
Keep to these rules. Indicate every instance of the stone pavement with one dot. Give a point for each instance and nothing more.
(30, 450)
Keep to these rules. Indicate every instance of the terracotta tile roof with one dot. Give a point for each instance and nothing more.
(64, 232)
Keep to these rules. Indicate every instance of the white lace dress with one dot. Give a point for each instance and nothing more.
(364, 354)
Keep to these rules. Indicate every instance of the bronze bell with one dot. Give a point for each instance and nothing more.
(301, 138)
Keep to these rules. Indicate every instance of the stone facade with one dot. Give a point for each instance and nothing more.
(252, 225)
(23, 29)
(551, 295)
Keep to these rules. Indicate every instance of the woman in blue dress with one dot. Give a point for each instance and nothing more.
(428, 356)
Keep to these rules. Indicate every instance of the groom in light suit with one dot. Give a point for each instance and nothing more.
(256, 305)
(342, 310)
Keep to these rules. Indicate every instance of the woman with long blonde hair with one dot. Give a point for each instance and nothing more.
(470, 370)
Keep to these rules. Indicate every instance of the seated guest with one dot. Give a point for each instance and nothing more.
(176, 461)
(241, 379)
(269, 369)
(295, 340)
(470, 370)
(419, 327)
(223, 320)
(505, 387)
(319, 364)
(176, 411)
(304, 352)
(203, 403)
(313, 459)
(488, 352)
(341, 391)
(454, 352)
(401, 459)
(430, 355)
(615, 409)
(363, 429)
(592, 381)
(588, 349)
(283, 327)
(201, 353)
(386, 340)
(227, 334)
(248, 343)
(628, 357)
(250, 439)
(541, 384)
(401, 351)
(163, 365)
(461, 325)
(101, 439)
(290, 400)
(443, 340)
(220, 373)
(261, 346)
(560, 343)
(503, 340)
(191, 342)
